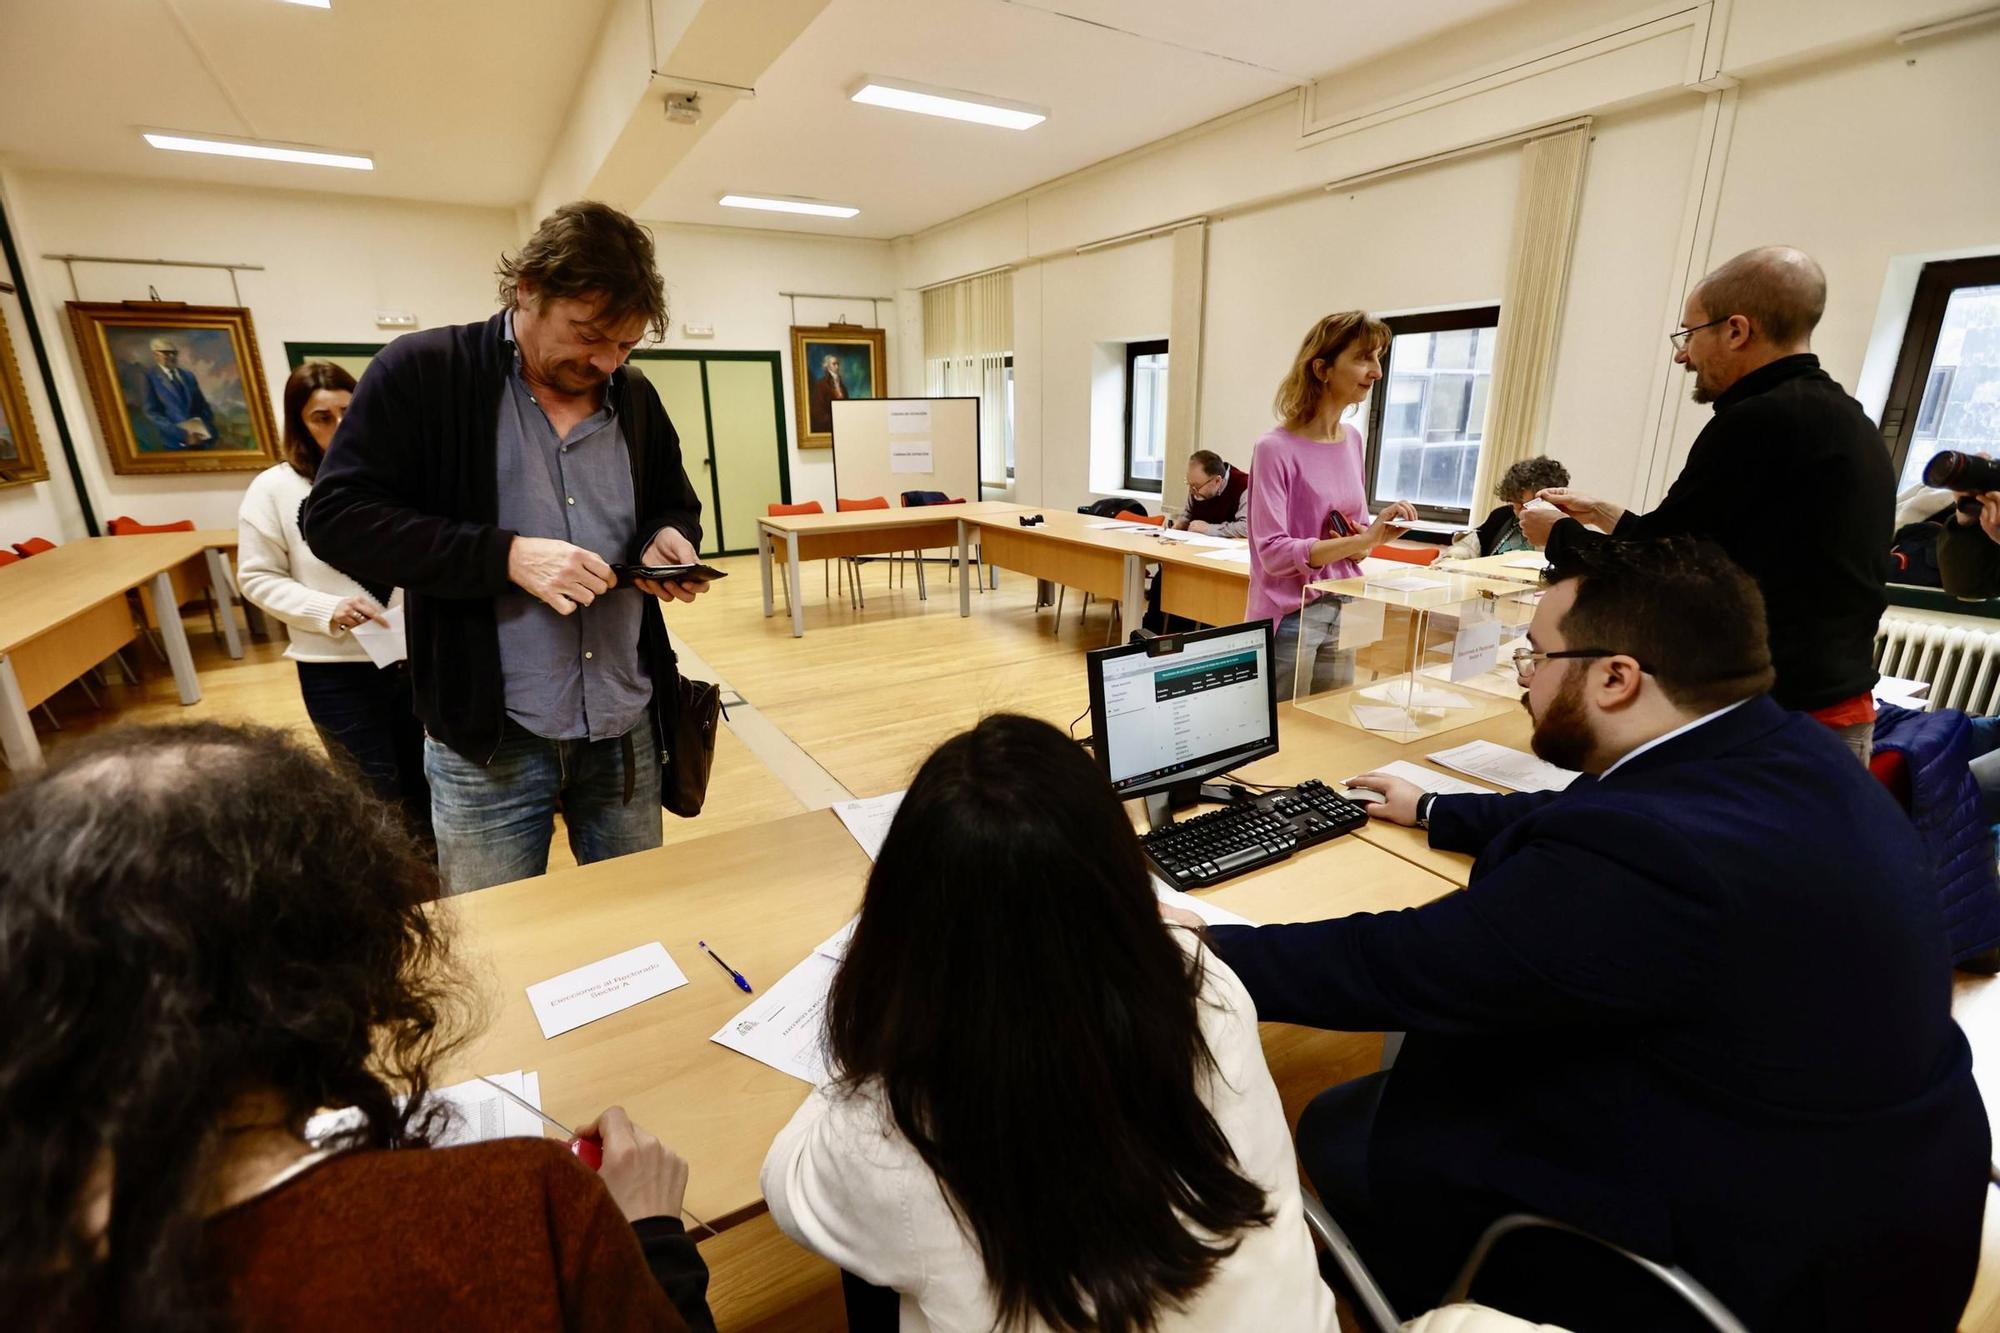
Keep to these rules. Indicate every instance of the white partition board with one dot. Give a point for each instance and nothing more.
(885, 446)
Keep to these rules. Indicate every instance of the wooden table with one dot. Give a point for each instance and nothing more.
(64, 611)
(1066, 548)
(861, 532)
(764, 897)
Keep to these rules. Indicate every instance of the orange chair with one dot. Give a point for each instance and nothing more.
(9, 558)
(33, 546)
(857, 598)
(784, 571)
(189, 578)
(1409, 555)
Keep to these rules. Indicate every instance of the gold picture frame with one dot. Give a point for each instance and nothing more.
(858, 369)
(179, 389)
(21, 459)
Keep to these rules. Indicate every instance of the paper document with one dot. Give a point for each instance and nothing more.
(785, 1027)
(911, 455)
(868, 820)
(1504, 767)
(596, 990)
(1412, 694)
(1542, 506)
(1117, 523)
(1903, 692)
(385, 645)
(834, 946)
(1431, 780)
(1475, 649)
(1429, 525)
(1525, 560)
(1185, 538)
(1201, 907)
(910, 417)
(1235, 555)
(478, 1113)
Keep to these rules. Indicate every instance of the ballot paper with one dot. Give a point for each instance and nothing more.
(1427, 525)
(1379, 717)
(1542, 506)
(1525, 560)
(1236, 555)
(785, 1027)
(868, 820)
(1504, 767)
(597, 990)
(1429, 779)
(385, 645)
(1410, 694)
(478, 1113)
(1201, 907)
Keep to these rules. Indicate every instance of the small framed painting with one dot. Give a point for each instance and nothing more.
(829, 363)
(178, 388)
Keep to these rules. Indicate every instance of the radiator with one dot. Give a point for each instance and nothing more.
(1962, 664)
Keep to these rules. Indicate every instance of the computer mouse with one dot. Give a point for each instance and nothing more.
(1365, 795)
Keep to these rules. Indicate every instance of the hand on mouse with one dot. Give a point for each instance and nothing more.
(1399, 797)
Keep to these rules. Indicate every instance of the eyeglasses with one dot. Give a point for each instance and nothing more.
(1527, 659)
(1679, 337)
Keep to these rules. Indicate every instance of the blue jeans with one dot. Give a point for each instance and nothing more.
(364, 717)
(494, 821)
(1317, 640)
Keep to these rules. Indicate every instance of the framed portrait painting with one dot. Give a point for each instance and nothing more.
(20, 447)
(178, 388)
(832, 362)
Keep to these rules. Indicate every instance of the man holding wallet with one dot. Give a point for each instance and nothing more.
(496, 471)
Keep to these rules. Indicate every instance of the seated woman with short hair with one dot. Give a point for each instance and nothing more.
(1051, 1110)
(1500, 532)
(207, 934)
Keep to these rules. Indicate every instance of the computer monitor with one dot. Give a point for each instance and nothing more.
(1169, 711)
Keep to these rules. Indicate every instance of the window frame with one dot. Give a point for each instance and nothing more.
(1133, 351)
(1434, 321)
(1902, 409)
(1007, 447)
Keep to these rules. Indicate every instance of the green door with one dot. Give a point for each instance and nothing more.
(728, 408)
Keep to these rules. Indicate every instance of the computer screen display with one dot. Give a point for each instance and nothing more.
(1183, 706)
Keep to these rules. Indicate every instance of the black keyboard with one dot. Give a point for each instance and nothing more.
(1236, 839)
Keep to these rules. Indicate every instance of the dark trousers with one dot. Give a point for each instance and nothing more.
(1415, 1246)
(364, 716)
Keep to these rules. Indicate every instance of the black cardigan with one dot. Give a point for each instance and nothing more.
(409, 495)
(1792, 479)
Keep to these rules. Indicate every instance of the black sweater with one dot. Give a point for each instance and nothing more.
(409, 495)
(1792, 479)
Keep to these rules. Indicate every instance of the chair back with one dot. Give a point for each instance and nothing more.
(1111, 507)
(126, 527)
(780, 511)
(1409, 555)
(1150, 520)
(9, 558)
(873, 502)
(921, 499)
(33, 546)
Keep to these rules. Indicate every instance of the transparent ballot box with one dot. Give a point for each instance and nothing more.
(1408, 653)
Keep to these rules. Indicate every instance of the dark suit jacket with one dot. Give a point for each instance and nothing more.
(1700, 1008)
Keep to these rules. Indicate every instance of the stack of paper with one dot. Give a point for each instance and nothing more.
(785, 1027)
(478, 1112)
(1201, 907)
(1442, 783)
(1504, 767)
(868, 820)
(1235, 555)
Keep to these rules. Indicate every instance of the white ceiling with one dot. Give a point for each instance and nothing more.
(458, 100)
(461, 100)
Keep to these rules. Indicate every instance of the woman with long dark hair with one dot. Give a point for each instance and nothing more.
(206, 935)
(362, 712)
(1052, 1110)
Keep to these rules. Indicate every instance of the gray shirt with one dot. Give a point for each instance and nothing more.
(576, 676)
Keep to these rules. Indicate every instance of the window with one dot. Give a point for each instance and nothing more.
(1427, 417)
(1946, 390)
(1010, 417)
(1145, 415)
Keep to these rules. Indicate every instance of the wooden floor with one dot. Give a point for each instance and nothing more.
(866, 695)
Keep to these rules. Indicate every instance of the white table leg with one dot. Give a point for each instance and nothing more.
(792, 570)
(17, 729)
(225, 605)
(964, 569)
(173, 637)
(1132, 608)
(764, 567)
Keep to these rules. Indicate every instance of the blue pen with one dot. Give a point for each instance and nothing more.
(745, 985)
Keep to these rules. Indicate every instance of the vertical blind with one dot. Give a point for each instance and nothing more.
(968, 336)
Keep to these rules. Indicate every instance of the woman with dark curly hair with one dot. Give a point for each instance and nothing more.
(1500, 533)
(188, 970)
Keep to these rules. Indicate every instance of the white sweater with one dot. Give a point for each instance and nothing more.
(843, 1182)
(279, 574)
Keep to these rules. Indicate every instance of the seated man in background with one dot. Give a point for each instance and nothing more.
(1697, 1005)
(1500, 533)
(1218, 497)
(207, 934)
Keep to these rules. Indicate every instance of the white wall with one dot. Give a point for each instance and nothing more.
(330, 261)
(730, 279)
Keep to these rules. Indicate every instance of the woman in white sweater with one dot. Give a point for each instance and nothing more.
(1050, 1110)
(362, 713)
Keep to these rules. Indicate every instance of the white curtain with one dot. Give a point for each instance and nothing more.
(968, 338)
(1531, 308)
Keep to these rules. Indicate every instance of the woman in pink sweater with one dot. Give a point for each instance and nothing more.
(1309, 499)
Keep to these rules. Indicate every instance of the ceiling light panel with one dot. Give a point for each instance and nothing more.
(270, 152)
(784, 204)
(898, 95)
